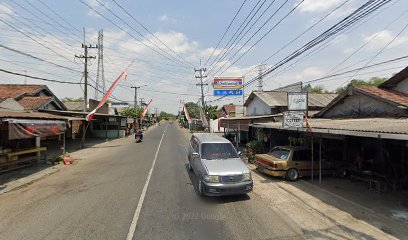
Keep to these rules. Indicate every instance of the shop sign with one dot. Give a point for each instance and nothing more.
(292, 119)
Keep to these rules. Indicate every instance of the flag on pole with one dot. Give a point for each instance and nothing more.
(145, 110)
(90, 116)
(187, 114)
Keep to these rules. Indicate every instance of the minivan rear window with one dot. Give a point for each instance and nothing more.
(211, 151)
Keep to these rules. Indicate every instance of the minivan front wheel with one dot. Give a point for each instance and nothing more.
(292, 174)
(200, 187)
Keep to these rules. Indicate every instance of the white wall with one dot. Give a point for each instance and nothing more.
(402, 86)
(257, 107)
(214, 126)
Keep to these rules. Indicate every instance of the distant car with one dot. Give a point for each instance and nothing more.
(291, 163)
(217, 165)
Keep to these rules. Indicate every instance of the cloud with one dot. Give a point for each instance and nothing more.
(6, 12)
(314, 6)
(163, 17)
(379, 39)
(98, 7)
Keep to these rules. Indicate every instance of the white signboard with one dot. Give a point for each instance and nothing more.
(297, 101)
(293, 119)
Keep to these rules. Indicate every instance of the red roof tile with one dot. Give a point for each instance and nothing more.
(229, 108)
(387, 94)
(33, 103)
(15, 90)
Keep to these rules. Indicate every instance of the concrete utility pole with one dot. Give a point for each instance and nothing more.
(261, 68)
(201, 84)
(85, 57)
(135, 99)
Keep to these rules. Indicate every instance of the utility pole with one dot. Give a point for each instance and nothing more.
(135, 99)
(201, 84)
(261, 68)
(85, 57)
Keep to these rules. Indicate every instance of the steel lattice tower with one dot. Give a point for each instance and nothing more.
(100, 75)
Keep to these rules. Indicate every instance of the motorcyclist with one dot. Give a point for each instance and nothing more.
(139, 133)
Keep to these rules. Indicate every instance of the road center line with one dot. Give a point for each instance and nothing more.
(143, 195)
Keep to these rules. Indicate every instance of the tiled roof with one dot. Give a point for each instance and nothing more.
(279, 98)
(15, 90)
(403, 74)
(229, 108)
(387, 94)
(33, 103)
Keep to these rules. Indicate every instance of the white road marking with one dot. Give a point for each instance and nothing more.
(143, 195)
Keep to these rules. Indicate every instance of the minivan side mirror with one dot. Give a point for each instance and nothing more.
(239, 153)
(196, 155)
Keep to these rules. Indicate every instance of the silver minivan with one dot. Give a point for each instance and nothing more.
(217, 165)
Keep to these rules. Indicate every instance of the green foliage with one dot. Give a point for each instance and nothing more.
(167, 116)
(296, 141)
(374, 81)
(67, 99)
(212, 112)
(135, 112)
(193, 110)
(252, 148)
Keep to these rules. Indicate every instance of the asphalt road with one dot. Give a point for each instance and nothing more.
(112, 192)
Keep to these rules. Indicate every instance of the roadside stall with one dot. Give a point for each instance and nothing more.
(21, 140)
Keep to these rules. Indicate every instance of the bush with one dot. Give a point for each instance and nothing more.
(252, 148)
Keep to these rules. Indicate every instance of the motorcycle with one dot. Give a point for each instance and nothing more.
(139, 137)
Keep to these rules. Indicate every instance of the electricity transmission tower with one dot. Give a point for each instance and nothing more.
(100, 75)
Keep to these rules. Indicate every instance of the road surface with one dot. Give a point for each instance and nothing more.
(127, 190)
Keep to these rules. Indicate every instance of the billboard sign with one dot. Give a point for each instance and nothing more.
(297, 101)
(228, 86)
(292, 119)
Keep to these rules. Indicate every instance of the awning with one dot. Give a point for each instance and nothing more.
(29, 128)
(387, 128)
(243, 123)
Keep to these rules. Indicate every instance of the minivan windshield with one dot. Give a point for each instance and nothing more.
(212, 151)
(280, 153)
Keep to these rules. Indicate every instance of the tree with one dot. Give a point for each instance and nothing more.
(134, 112)
(374, 81)
(193, 109)
(167, 116)
(212, 112)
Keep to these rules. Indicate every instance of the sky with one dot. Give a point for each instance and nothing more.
(162, 42)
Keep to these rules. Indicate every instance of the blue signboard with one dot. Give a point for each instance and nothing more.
(227, 92)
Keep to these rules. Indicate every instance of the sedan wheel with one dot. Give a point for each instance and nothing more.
(292, 174)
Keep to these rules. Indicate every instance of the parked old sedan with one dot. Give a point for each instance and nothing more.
(291, 163)
(217, 165)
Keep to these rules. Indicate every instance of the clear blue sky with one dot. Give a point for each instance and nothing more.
(191, 29)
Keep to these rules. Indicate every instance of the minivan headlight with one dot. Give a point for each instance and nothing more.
(246, 177)
(212, 178)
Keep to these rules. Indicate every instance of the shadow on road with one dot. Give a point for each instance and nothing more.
(216, 200)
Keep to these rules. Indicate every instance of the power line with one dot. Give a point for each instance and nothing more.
(145, 28)
(124, 30)
(225, 32)
(227, 45)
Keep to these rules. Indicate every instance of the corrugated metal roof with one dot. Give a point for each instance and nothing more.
(372, 125)
(279, 98)
(33, 115)
(74, 106)
(394, 80)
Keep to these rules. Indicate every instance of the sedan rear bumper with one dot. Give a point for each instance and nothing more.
(225, 189)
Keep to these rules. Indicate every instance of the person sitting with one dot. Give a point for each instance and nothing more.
(139, 133)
